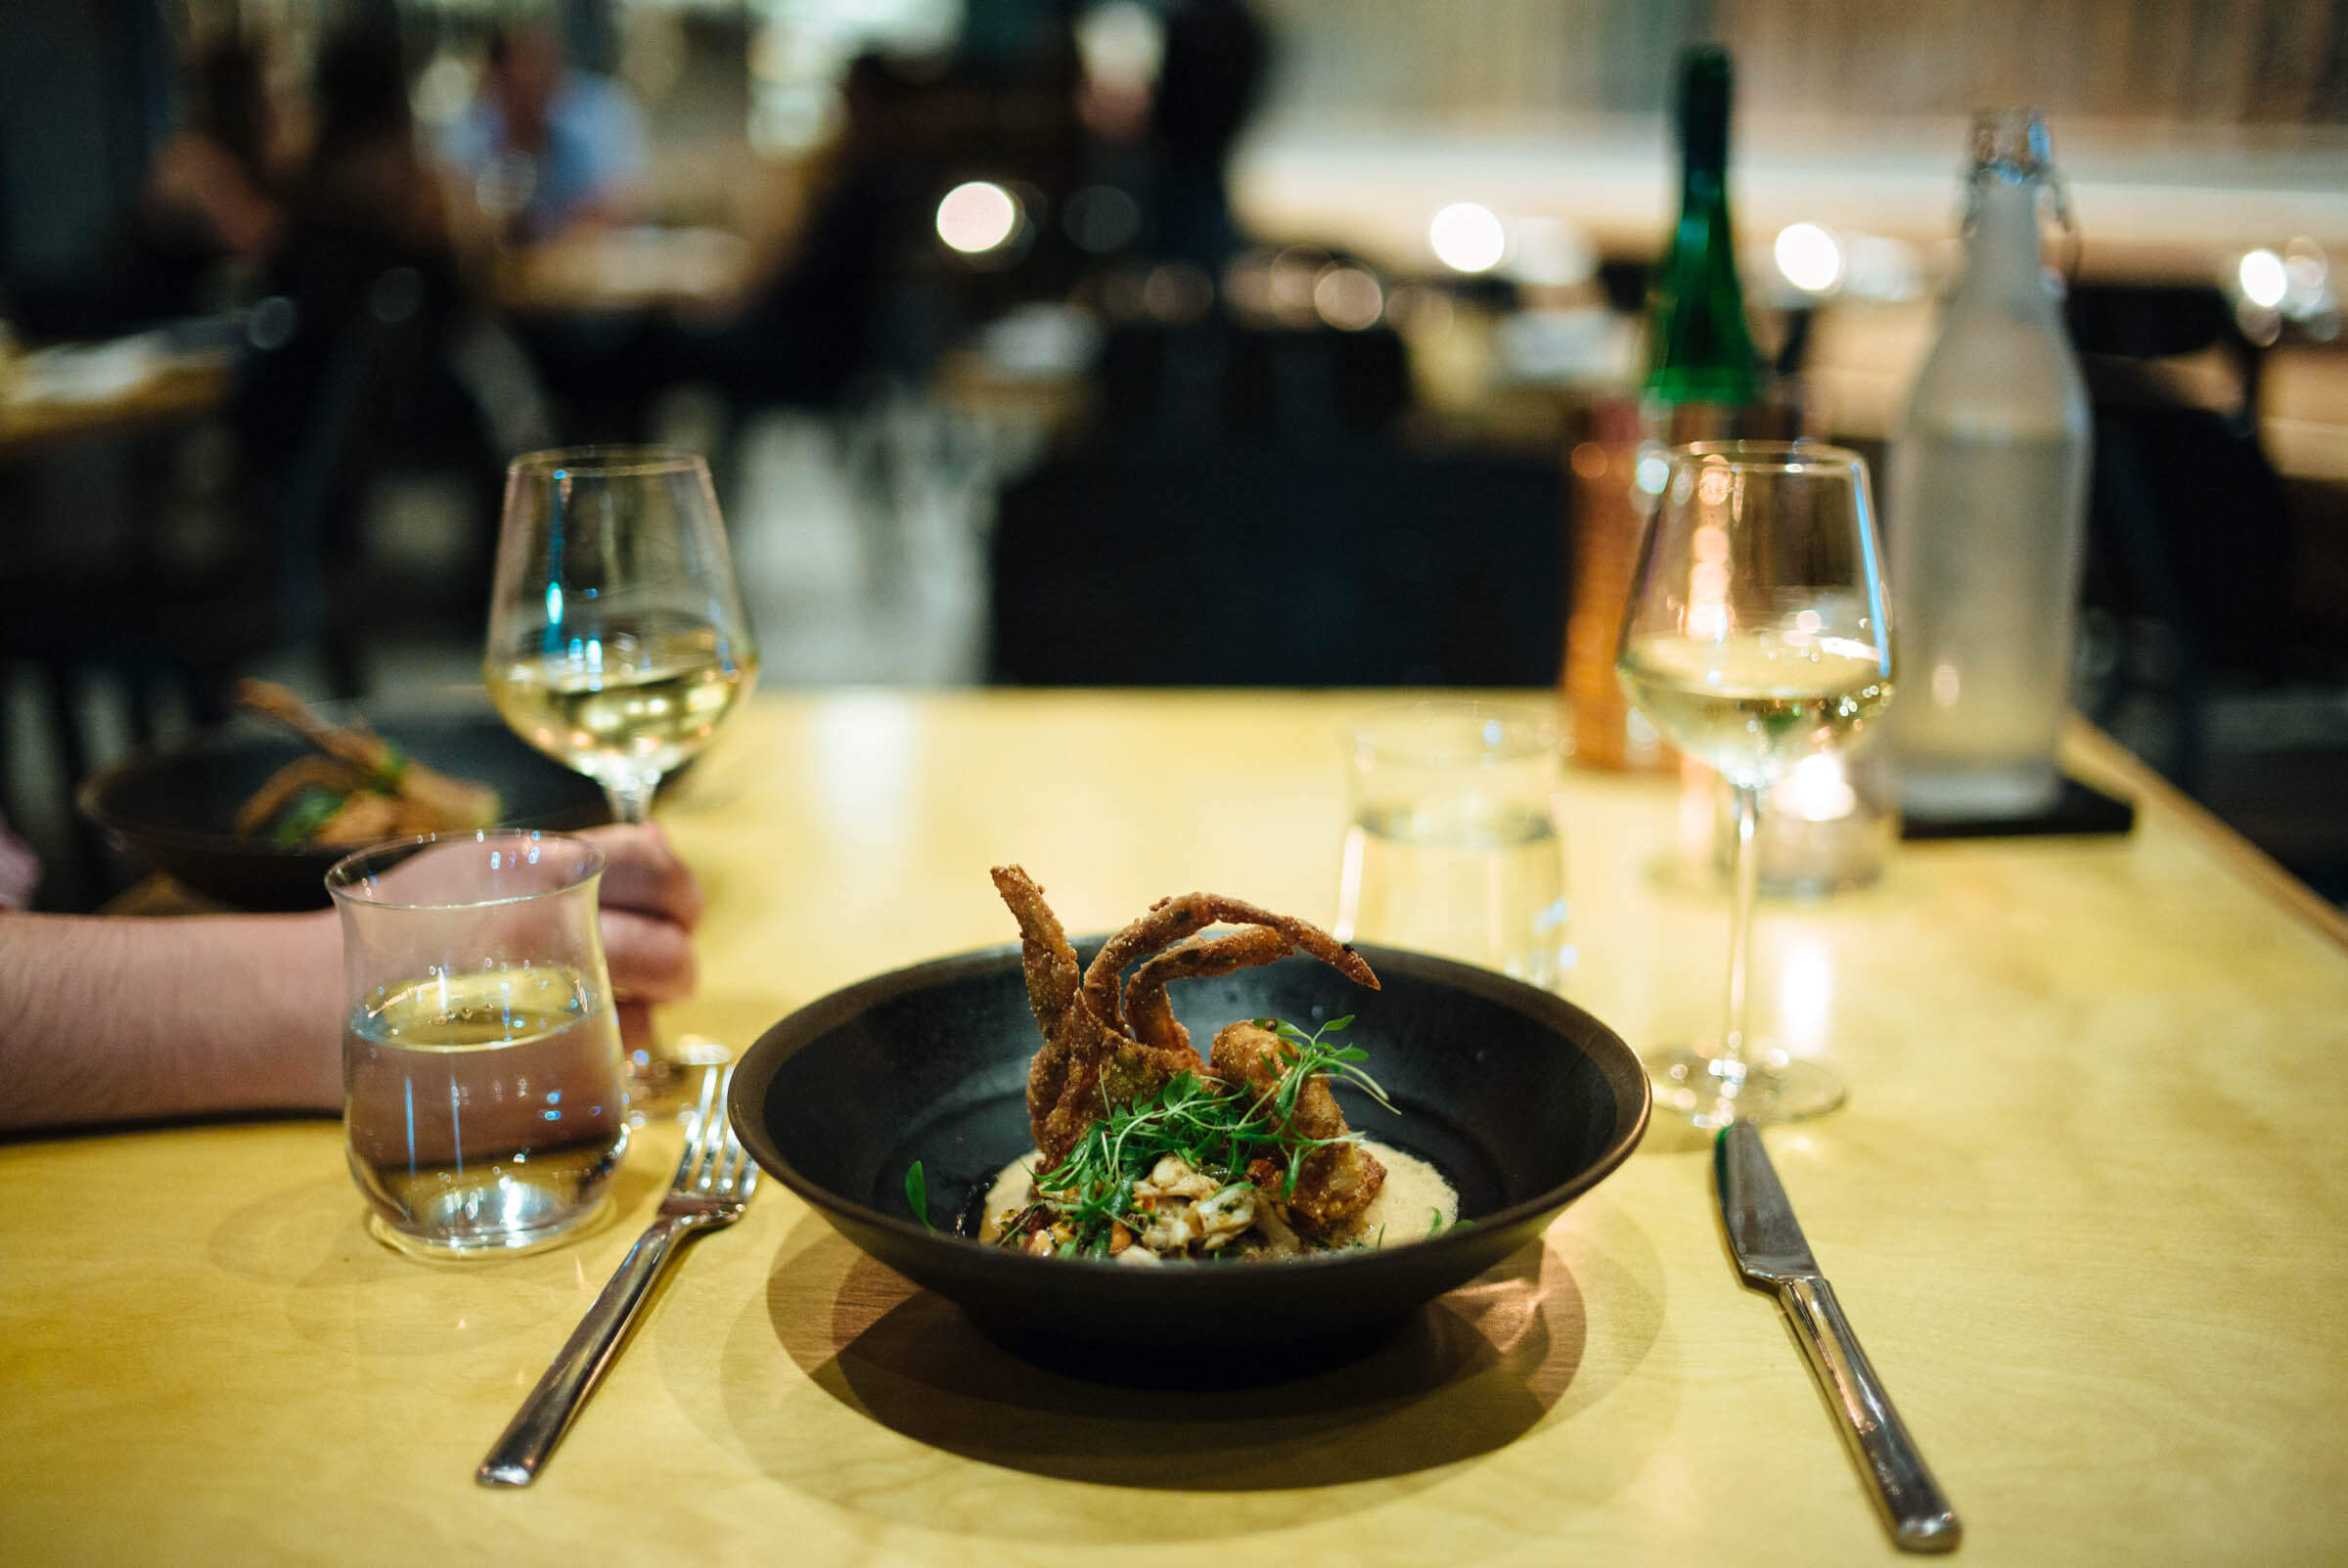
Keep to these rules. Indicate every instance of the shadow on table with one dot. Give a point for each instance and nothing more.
(341, 1287)
(1463, 1376)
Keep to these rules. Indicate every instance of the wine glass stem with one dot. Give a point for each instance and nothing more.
(631, 802)
(1747, 878)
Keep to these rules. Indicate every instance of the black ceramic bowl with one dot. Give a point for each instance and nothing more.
(1522, 1099)
(174, 808)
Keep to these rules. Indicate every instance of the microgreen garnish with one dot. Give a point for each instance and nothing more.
(307, 814)
(917, 1193)
(1218, 1129)
(1313, 1059)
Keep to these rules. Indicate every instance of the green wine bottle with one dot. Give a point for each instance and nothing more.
(1703, 383)
(1698, 347)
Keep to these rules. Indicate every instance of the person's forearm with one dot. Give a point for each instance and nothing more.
(129, 1019)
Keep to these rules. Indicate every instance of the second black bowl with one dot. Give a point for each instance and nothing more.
(175, 808)
(1521, 1099)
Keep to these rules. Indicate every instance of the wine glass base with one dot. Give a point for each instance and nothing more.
(532, 1223)
(1701, 1089)
(665, 1080)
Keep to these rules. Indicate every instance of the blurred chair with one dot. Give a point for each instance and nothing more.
(1344, 563)
(337, 356)
(1240, 515)
(1213, 380)
(2188, 549)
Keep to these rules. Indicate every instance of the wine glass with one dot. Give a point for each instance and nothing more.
(1758, 635)
(616, 639)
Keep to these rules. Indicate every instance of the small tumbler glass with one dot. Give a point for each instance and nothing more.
(1453, 848)
(484, 1105)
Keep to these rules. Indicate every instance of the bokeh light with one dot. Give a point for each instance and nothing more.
(977, 216)
(1348, 297)
(1467, 237)
(2264, 280)
(1809, 258)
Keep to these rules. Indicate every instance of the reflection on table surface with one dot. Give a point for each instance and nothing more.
(2085, 1206)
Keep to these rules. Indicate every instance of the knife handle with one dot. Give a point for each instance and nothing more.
(1921, 1517)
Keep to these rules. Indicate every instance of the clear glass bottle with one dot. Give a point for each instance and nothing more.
(1989, 469)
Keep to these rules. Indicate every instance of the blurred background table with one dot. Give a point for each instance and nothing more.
(91, 391)
(623, 270)
(2087, 1204)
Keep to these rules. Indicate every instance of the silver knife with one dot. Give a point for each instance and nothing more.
(1770, 1251)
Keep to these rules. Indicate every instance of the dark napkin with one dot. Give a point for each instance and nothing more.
(2079, 808)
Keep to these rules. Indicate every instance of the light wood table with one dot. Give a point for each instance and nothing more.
(2087, 1206)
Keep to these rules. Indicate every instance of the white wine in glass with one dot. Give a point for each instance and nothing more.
(627, 710)
(617, 643)
(1756, 636)
(616, 639)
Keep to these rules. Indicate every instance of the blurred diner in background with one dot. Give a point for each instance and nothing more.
(1134, 342)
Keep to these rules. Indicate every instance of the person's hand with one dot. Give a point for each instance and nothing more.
(651, 902)
(104, 1019)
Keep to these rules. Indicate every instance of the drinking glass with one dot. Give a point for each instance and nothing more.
(616, 639)
(1757, 636)
(1453, 848)
(484, 1108)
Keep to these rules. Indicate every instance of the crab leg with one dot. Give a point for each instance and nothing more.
(1050, 966)
(1089, 1061)
(1147, 1013)
(1170, 920)
(1047, 960)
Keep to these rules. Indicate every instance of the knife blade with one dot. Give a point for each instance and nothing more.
(1771, 1252)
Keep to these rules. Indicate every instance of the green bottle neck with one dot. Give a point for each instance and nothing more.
(1700, 350)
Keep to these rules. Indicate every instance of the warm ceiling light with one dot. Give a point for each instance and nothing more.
(1468, 238)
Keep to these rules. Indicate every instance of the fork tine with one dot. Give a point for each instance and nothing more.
(717, 1128)
(714, 1126)
(713, 1100)
(726, 1153)
(684, 1177)
(697, 1143)
(741, 1174)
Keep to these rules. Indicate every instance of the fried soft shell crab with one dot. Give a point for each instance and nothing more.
(1109, 1042)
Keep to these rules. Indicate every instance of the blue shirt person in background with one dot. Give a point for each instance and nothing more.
(546, 148)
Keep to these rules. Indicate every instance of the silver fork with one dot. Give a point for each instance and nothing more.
(712, 1186)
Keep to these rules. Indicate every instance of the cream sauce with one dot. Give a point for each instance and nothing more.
(1406, 1209)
